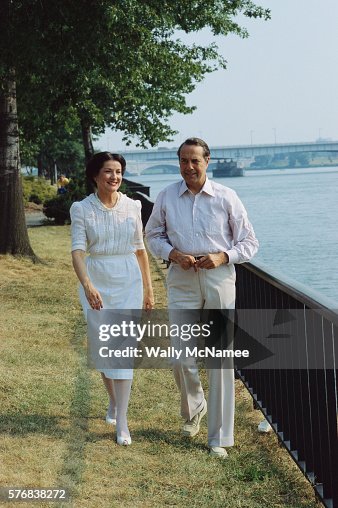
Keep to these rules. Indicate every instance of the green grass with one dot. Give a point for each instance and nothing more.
(52, 411)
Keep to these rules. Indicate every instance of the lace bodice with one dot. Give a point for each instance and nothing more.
(102, 231)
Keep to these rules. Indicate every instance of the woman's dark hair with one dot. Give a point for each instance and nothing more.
(96, 163)
(196, 142)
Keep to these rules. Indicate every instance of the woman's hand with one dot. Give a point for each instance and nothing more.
(148, 299)
(148, 294)
(93, 296)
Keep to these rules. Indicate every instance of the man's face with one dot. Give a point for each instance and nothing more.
(193, 166)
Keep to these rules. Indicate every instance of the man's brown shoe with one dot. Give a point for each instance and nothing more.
(192, 427)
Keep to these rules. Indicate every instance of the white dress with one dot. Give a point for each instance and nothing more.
(111, 237)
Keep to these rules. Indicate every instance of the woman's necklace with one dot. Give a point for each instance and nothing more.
(109, 207)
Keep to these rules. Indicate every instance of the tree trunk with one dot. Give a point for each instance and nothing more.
(13, 231)
(40, 166)
(87, 140)
(53, 173)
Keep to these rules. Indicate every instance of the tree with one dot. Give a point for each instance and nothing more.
(13, 231)
(127, 71)
(302, 158)
(58, 148)
(111, 63)
(261, 161)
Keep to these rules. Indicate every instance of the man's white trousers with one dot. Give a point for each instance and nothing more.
(205, 289)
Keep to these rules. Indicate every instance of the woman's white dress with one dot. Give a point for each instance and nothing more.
(111, 237)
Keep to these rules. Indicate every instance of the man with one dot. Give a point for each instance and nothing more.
(62, 184)
(202, 228)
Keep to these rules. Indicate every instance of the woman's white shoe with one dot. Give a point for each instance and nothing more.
(111, 421)
(123, 441)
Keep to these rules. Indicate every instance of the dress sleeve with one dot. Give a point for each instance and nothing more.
(138, 237)
(78, 229)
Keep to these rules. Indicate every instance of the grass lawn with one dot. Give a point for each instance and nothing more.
(53, 433)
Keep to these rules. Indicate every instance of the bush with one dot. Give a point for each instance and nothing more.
(76, 189)
(36, 190)
(58, 207)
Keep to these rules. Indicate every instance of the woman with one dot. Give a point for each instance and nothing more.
(108, 225)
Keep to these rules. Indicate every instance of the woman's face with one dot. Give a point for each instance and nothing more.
(109, 178)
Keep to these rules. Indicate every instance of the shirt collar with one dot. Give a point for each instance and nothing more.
(207, 188)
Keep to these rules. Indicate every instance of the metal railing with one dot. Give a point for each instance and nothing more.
(299, 402)
(137, 187)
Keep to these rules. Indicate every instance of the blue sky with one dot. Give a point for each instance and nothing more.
(281, 83)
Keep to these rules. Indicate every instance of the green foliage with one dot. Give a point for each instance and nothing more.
(119, 64)
(124, 189)
(301, 159)
(261, 161)
(292, 160)
(51, 145)
(36, 190)
(279, 157)
(76, 189)
(58, 207)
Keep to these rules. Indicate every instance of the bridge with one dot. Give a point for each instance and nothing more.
(138, 160)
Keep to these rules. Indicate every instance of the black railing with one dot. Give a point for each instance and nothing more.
(299, 398)
(137, 187)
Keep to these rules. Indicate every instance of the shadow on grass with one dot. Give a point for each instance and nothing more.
(21, 424)
(169, 437)
(152, 436)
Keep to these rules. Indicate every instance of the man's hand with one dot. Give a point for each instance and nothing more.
(185, 261)
(212, 260)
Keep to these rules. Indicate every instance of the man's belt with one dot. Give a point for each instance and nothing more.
(197, 258)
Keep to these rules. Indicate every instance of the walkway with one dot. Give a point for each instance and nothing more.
(34, 219)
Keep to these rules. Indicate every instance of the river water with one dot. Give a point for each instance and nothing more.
(295, 216)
